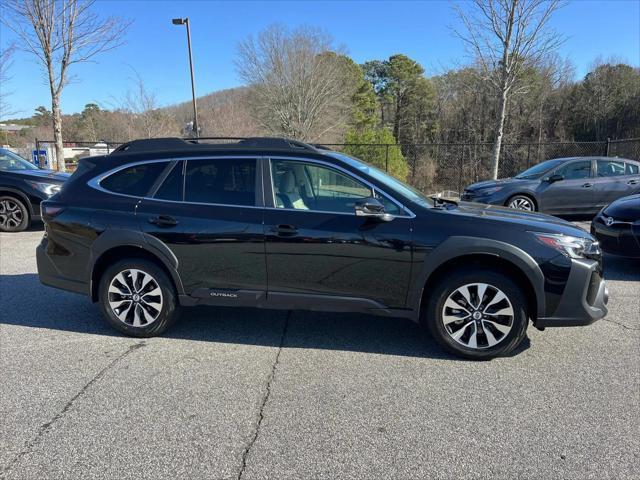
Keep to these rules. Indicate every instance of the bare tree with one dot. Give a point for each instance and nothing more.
(6, 60)
(505, 36)
(60, 33)
(144, 116)
(296, 82)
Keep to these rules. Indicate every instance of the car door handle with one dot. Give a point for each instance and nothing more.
(285, 230)
(164, 221)
(633, 182)
(587, 185)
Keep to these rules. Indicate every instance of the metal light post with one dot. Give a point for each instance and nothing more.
(185, 21)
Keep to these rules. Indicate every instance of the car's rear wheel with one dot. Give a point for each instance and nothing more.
(137, 298)
(477, 314)
(521, 202)
(14, 216)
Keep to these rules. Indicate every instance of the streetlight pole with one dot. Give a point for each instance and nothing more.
(185, 21)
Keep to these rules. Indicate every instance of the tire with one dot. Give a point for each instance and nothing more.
(14, 215)
(131, 304)
(522, 202)
(506, 330)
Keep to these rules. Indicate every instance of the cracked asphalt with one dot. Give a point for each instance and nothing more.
(255, 394)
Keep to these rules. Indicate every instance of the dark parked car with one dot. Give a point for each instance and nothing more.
(577, 185)
(275, 223)
(617, 227)
(22, 187)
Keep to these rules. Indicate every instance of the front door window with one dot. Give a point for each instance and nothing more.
(307, 186)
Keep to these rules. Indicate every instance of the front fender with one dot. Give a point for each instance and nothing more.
(458, 246)
(25, 199)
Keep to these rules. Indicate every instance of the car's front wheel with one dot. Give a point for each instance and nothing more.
(521, 202)
(477, 314)
(137, 298)
(14, 216)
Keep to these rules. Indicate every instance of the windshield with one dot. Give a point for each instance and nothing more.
(383, 177)
(537, 170)
(10, 161)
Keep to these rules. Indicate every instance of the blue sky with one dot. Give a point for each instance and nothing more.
(367, 29)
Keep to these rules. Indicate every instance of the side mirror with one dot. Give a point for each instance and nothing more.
(371, 207)
(554, 178)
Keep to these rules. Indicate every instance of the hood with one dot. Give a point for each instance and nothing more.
(535, 222)
(42, 175)
(626, 209)
(494, 183)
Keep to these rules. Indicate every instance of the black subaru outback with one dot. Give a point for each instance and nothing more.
(166, 223)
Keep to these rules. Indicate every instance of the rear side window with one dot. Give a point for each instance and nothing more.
(610, 168)
(136, 180)
(171, 188)
(633, 169)
(227, 181)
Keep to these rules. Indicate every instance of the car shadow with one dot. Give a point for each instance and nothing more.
(35, 226)
(25, 302)
(577, 217)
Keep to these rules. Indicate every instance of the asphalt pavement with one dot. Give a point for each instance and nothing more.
(254, 394)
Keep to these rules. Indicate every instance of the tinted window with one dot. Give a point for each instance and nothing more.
(575, 170)
(228, 181)
(633, 169)
(610, 168)
(136, 180)
(171, 188)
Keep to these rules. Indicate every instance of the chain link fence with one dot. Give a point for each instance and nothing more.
(432, 168)
(450, 167)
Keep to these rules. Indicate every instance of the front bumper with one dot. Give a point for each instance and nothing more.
(619, 238)
(495, 198)
(584, 299)
(478, 197)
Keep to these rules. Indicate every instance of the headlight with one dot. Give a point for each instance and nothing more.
(46, 188)
(489, 191)
(572, 247)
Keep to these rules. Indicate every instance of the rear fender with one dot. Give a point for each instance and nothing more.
(115, 238)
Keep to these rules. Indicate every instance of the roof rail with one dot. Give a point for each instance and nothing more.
(151, 144)
(159, 144)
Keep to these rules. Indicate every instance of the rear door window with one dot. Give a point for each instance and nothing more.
(172, 187)
(633, 169)
(610, 168)
(136, 180)
(225, 181)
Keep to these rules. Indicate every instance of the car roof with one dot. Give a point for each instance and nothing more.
(205, 144)
(594, 157)
(178, 148)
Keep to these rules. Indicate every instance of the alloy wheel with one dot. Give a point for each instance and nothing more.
(135, 298)
(520, 203)
(478, 315)
(11, 215)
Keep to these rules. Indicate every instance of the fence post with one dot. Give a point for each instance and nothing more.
(529, 155)
(386, 159)
(606, 152)
(460, 170)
